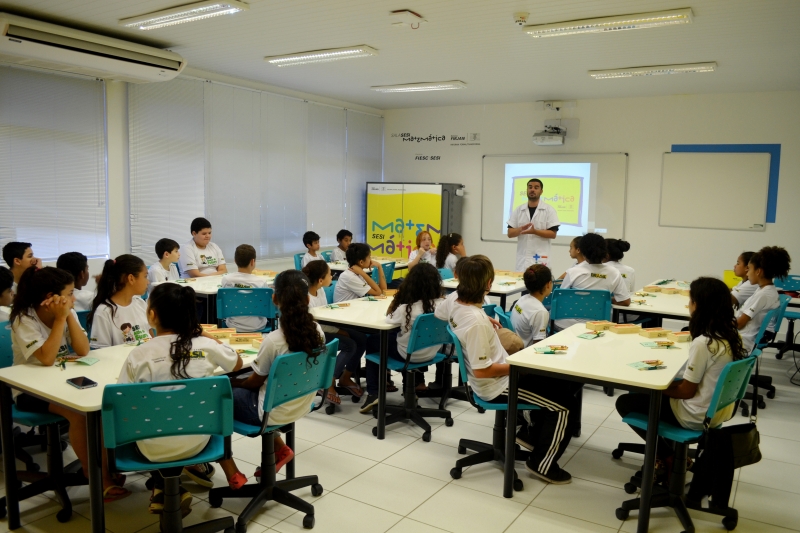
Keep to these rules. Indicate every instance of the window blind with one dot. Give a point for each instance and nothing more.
(364, 163)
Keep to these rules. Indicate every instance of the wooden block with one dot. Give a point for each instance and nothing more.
(268, 273)
(680, 336)
(390, 292)
(222, 333)
(625, 328)
(684, 292)
(669, 290)
(653, 288)
(654, 333)
(599, 325)
(257, 342)
(244, 338)
(208, 327)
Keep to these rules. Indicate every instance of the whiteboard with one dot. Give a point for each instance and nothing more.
(714, 190)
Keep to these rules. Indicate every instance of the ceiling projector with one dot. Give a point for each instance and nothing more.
(550, 136)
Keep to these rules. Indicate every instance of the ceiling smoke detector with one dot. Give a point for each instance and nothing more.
(405, 17)
(521, 18)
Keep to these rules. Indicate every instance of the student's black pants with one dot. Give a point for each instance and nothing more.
(640, 403)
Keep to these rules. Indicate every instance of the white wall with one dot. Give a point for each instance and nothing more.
(642, 127)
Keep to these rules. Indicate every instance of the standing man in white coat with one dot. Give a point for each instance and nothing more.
(535, 224)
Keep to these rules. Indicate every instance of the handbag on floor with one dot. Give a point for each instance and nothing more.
(744, 444)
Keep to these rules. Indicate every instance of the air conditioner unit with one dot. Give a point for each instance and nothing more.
(38, 44)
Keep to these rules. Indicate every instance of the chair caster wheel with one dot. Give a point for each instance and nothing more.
(375, 431)
(762, 405)
(455, 473)
(316, 490)
(779, 355)
(617, 453)
(241, 527)
(33, 467)
(64, 445)
(745, 411)
(308, 521)
(64, 515)
(330, 409)
(448, 422)
(214, 500)
(354, 398)
(771, 394)
(462, 450)
(518, 486)
(630, 488)
(426, 436)
(730, 522)
(622, 514)
(230, 530)
(481, 410)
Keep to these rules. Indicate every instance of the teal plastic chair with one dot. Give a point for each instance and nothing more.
(789, 284)
(505, 319)
(426, 331)
(326, 255)
(388, 273)
(757, 380)
(547, 302)
(485, 452)
(329, 291)
(132, 412)
(730, 388)
(233, 302)
(291, 376)
(298, 261)
(82, 316)
(446, 273)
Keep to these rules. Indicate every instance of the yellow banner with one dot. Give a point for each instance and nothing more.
(397, 212)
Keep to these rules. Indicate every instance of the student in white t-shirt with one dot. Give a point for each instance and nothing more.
(450, 249)
(200, 257)
(297, 333)
(765, 265)
(6, 294)
(19, 258)
(744, 289)
(616, 251)
(593, 274)
(528, 315)
(425, 252)
(245, 259)
(354, 282)
(311, 242)
(77, 264)
(119, 315)
(574, 254)
(44, 331)
(168, 253)
(715, 343)
(344, 238)
(179, 351)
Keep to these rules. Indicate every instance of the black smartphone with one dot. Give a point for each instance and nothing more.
(82, 382)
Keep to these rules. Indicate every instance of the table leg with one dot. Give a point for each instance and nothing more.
(382, 384)
(511, 429)
(94, 443)
(9, 461)
(649, 461)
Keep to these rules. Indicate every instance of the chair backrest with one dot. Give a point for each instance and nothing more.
(784, 303)
(234, 301)
(177, 267)
(789, 283)
(329, 290)
(6, 353)
(580, 304)
(771, 314)
(388, 272)
(326, 255)
(504, 319)
(731, 385)
(292, 376)
(547, 302)
(446, 273)
(489, 309)
(298, 261)
(82, 316)
(427, 331)
(136, 411)
(462, 366)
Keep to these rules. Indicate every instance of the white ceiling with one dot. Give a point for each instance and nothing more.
(755, 43)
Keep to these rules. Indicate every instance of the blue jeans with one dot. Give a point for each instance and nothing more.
(245, 406)
(351, 348)
(373, 369)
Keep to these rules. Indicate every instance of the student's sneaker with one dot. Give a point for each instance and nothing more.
(157, 501)
(524, 439)
(555, 474)
(369, 403)
(200, 474)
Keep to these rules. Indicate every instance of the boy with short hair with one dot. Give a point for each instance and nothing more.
(344, 238)
(529, 316)
(19, 257)
(6, 294)
(311, 242)
(168, 253)
(77, 264)
(245, 259)
(354, 282)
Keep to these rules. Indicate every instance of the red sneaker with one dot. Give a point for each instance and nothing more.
(283, 456)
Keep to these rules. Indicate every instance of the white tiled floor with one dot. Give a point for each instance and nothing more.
(403, 484)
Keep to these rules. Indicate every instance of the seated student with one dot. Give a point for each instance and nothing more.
(19, 257)
(424, 252)
(574, 253)
(715, 343)
(344, 238)
(450, 249)
(616, 251)
(352, 343)
(77, 264)
(44, 328)
(6, 294)
(768, 263)
(744, 289)
(179, 351)
(168, 253)
(354, 282)
(297, 332)
(419, 294)
(488, 371)
(311, 242)
(200, 257)
(529, 316)
(119, 315)
(245, 259)
(593, 274)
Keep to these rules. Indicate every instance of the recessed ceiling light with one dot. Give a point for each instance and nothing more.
(618, 23)
(184, 13)
(417, 87)
(656, 70)
(322, 56)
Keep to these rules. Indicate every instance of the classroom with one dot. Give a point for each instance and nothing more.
(491, 267)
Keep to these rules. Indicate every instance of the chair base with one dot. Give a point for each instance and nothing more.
(409, 411)
(171, 520)
(443, 387)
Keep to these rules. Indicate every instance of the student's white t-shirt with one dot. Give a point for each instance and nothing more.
(427, 257)
(274, 344)
(320, 300)
(450, 262)
(703, 367)
(756, 307)
(349, 287)
(128, 325)
(404, 335)
(529, 318)
(479, 343)
(157, 273)
(308, 258)
(337, 254)
(601, 277)
(743, 291)
(152, 362)
(243, 280)
(83, 300)
(628, 274)
(3, 315)
(206, 260)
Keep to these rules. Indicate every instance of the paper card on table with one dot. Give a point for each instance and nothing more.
(645, 365)
(589, 335)
(551, 349)
(88, 361)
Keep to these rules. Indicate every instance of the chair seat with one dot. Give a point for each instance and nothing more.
(397, 366)
(491, 406)
(130, 459)
(247, 430)
(668, 431)
(265, 330)
(29, 419)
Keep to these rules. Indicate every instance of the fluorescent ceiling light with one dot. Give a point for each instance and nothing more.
(656, 70)
(416, 87)
(322, 56)
(618, 23)
(185, 13)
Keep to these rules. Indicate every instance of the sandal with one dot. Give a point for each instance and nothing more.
(108, 497)
(333, 398)
(391, 388)
(355, 390)
(237, 481)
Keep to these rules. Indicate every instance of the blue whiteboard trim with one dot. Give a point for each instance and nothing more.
(774, 164)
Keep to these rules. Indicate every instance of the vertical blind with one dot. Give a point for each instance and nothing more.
(52, 163)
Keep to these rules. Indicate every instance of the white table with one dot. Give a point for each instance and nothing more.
(341, 266)
(660, 305)
(601, 361)
(503, 286)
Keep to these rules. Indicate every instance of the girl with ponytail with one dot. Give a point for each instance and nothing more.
(450, 249)
(119, 315)
(180, 350)
(616, 251)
